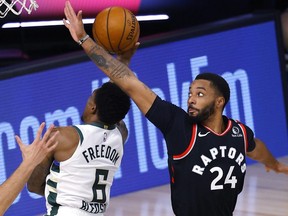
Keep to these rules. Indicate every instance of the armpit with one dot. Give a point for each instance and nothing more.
(123, 130)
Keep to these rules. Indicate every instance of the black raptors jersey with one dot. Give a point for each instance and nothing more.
(206, 169)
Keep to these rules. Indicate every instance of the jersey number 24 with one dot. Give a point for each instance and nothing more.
(229, 179)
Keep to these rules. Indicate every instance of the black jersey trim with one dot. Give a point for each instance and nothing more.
(191, 144)
(245, 135)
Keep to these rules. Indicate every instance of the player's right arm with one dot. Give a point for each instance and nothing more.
(32, 155)
(116, 70)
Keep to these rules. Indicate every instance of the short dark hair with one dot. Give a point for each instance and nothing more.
(218, 82)
(112, 103)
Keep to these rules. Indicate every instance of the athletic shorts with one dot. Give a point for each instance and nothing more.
(69, 211)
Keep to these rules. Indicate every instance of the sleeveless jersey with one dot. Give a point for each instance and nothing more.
(206, 169)
(84, 180)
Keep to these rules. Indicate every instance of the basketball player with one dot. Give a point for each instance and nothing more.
(83, 165)
(206, 150)
(32, 155)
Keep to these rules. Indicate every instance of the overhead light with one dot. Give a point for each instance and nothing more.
(85, 21)
(153, 17)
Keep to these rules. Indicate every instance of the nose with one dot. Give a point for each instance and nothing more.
(191, 99)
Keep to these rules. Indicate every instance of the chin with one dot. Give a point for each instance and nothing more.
(199, 118)
(194, 118)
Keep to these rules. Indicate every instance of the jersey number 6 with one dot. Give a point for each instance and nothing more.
(99, 192)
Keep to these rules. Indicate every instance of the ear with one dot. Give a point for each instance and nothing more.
(220, 101)
(93, 109)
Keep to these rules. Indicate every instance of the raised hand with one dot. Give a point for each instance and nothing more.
(38, 150)
(279, 168)
(74, 22)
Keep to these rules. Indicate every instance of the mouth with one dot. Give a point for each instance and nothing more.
(192, 111)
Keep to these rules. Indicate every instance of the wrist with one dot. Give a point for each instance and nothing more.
(123, 60)
(273, 165)
(28, 165)
(83, 39)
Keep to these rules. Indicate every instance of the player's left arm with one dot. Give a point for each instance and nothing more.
(262, 154)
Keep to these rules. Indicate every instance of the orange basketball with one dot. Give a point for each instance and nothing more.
(116, 29)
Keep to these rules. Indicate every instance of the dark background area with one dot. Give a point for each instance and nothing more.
(20, 45)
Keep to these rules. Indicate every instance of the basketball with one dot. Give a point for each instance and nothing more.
(116, 29)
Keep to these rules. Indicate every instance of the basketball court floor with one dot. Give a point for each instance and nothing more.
(264, 194)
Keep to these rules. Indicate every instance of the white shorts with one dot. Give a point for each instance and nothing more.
(65, 211)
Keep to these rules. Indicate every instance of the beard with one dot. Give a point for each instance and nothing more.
(203, 114)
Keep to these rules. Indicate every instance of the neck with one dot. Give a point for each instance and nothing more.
(90, 119)
(215, 123)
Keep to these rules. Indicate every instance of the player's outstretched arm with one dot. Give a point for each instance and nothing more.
(117, 71)
(262, 154)
(36, 182)
(32, 155)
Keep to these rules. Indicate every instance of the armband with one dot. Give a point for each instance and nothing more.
(82, 40)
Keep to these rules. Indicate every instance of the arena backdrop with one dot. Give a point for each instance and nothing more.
(247, 55)
(53, 9)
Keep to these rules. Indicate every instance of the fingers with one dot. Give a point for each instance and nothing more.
(38, 135)
(39, 131)
(79, 15)
(66, 12)
(37, 138)
(65, 22)
(281, 168)
(137, 44)
(19, 141)
(71, 17)
(69, 11)
(50, 138)
(52, 144)
(47, 133)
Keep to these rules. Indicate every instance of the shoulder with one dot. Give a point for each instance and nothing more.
(248, 135)
(247, 128)
(65, 131)
(67, 135)
(68, 139)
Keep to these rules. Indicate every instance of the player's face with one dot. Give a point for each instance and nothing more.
(89, 107)
(201, 100)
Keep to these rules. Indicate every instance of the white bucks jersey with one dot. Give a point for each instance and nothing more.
(84, 180)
